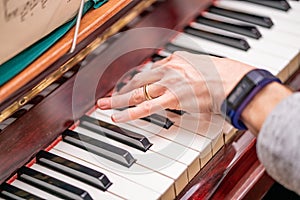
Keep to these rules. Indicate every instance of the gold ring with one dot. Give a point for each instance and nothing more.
(146, 92)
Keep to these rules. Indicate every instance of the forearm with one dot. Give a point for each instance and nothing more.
(278, 143)
(262, 104)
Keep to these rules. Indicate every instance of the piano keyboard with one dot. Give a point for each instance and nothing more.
(156, 158)
(277, 49)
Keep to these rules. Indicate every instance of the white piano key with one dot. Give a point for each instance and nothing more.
(164, 53)
(227, 128)
(229, 132)
(273, 36)
(270, 34)
(266, 45)
(74, 170)
(288, 40)
(52, 185)
(280, 22)
(68, 74)
(257, 9)
(181, 136)
(263, 45)
(152, 160)
(34, 190)
(161, 145)
(234, 42)
(205, 125)
(132, 139)
(271, 63)
(178, 135)
(295, 6)
(7, 122)
(93, 192)
(118, 155)
(121, 186)
(49, 89)
(182, 154)
(136, 173)
(291, 15)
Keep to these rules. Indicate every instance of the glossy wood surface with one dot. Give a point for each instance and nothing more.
(92, 23)
(234, 172)
(42, 124)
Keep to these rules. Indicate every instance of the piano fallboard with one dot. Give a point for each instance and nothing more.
(233, 172)
(39, 127)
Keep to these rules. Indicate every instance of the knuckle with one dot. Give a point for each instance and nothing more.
(147, 106)
(166, 69)
(137, 96)
(134, 81)
(132, 114)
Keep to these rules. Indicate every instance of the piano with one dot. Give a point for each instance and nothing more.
(55, 144)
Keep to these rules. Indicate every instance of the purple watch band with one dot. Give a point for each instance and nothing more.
(233, 106)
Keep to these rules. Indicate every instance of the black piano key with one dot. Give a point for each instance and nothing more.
(156, 57)
(37, 99)
(172, 48)
(114, 132)
(129, 76)
(177, 112)
(19, 113)
(74, 170)
(52, 185)
(246, 17)
(159, 120)
(12, 192)
(98, 147)
(119, 86)
(247, 30)
(238, 43)
(3, 197)
(278, 4)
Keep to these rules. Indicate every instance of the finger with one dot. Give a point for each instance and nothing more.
(170, 60)
(141, 79)
(142, 110)
(161, 62)
(131, 98)
(125, 78)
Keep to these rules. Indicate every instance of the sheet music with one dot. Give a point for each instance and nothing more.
(13, 9)
(23, 22)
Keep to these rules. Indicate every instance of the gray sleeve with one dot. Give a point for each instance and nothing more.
(278, 143)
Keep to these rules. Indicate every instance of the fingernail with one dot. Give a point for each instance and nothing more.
(117, 118)
(103, 103)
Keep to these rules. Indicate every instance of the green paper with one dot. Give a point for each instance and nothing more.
(12, 67)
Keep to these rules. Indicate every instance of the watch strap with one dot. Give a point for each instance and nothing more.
(233, 106)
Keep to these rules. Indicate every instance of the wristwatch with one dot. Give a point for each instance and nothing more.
(233, 106)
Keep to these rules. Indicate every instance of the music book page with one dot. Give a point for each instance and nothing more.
(23, 22)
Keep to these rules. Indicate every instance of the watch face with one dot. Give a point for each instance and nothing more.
(240, 92)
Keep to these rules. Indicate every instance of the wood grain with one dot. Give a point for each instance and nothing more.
(41, 125)
(89, 23)
(234, 172)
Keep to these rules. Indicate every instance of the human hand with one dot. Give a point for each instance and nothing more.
(183, 81)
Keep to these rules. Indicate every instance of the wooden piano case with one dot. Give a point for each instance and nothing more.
(234, 172)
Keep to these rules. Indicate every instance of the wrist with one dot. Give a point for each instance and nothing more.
(258, 109)
(243, 93)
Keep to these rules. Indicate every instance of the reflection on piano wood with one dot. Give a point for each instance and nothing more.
(166, 155)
